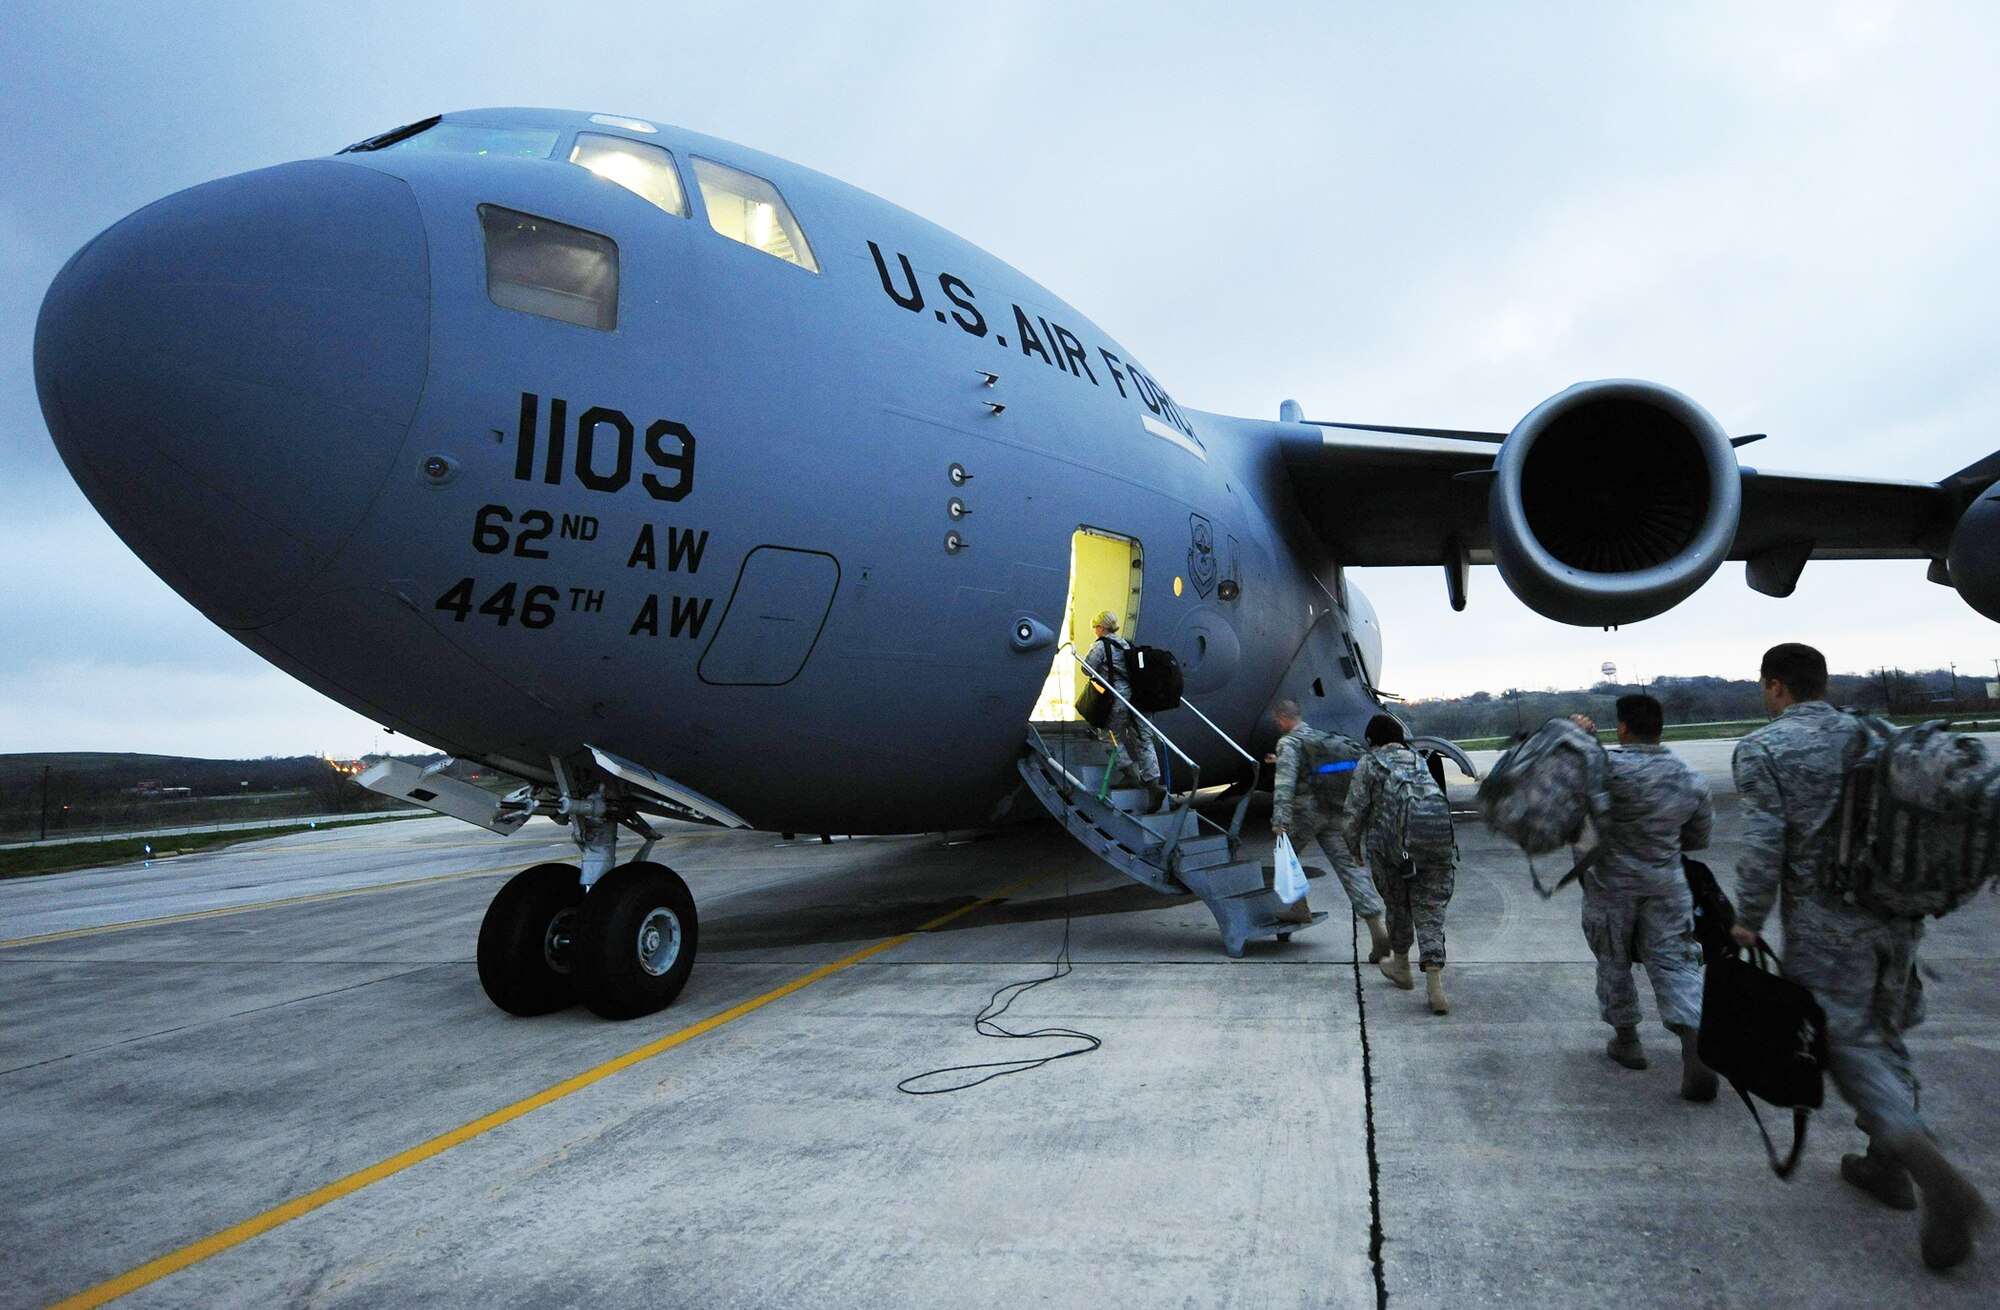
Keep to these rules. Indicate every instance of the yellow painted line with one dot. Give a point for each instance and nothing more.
(309, 899)
(154, 1270)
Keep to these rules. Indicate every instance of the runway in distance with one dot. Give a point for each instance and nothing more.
(681, 480)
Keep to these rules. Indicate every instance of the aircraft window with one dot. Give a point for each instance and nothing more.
(548, 268)
(472, 139)
(749, 209)
(643, 170)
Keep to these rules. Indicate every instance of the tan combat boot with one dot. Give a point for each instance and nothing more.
(1879, 1174)
(1952, 1206)
(1397, 970)
(1697, 1079)
(1378, 938)
(1626, 1049)
(1434, 986)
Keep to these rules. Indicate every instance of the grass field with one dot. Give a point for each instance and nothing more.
(27, 861)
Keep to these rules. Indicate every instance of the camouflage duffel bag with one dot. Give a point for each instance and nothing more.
(1546, 788)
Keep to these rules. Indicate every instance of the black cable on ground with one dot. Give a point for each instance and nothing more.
(1374, 1164)
(984, 1024)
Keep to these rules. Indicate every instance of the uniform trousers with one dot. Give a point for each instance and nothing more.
(1862, 970)
(1135, 744)
(1661, 928)
(1360, 887)
(1415, 895)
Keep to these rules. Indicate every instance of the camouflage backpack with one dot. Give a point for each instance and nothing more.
(1543, 792)
(1918, 825)
(1412, 817)
(1326, 763)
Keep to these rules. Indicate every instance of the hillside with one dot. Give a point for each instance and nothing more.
(80, 792)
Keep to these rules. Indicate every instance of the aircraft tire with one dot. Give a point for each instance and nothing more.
(635, 941)
(527, 941)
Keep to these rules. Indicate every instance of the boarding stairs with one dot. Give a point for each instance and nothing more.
(1175, 851)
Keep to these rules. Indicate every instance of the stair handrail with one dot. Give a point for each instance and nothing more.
(1194, 770)
(1070, 780)
(1248, 758)
(1242, 805)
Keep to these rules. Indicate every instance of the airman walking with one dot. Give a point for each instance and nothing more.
(1398, 820)
(1308, 798)
(1110, 658)
(1636, 905)
(1860, 966)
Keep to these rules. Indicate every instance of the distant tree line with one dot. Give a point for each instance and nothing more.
(1690, 700)
(80, 792)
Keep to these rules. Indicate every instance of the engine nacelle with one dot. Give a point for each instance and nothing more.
(1973, 558)
(1613, 501)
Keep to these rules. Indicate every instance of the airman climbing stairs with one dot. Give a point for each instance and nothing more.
(1173, 852)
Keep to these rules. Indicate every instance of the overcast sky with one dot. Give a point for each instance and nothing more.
(1425, 213)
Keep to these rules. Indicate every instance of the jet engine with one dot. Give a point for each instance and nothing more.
(1973, 558)
(1612, 502)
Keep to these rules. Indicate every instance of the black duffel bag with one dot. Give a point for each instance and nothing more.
(1156, 678)
(1766, 1035)
(1094, 703)
(1714, 916)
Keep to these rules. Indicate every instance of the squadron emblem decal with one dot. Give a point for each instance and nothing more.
(1201, 555)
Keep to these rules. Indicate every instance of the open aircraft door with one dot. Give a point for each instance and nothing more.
(1106, 572)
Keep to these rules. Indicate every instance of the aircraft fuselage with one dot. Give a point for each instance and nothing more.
(774, 534)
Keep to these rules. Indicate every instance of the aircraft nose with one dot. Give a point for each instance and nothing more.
(230, 374)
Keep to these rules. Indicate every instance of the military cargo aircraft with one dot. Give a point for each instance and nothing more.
(683, 481)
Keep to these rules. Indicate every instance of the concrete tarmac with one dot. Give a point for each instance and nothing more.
(300, 1018)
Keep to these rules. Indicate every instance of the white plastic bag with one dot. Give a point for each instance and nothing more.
(1290, 883)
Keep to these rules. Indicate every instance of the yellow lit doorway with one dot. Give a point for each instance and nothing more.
(1106, 572)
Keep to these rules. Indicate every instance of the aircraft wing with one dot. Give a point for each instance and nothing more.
(1379, 498)
(1574, 551)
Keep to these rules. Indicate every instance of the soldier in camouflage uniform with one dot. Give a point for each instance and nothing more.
(1296, 808)
(1107, 658)
(1860, 966)
(1635, 894)
(1416, 892)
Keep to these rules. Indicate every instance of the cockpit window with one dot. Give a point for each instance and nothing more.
(543, 267)
(749, 209)
(643, 170)
(473, 139)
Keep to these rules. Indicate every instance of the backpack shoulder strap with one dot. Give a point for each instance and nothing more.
(1583, 865)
